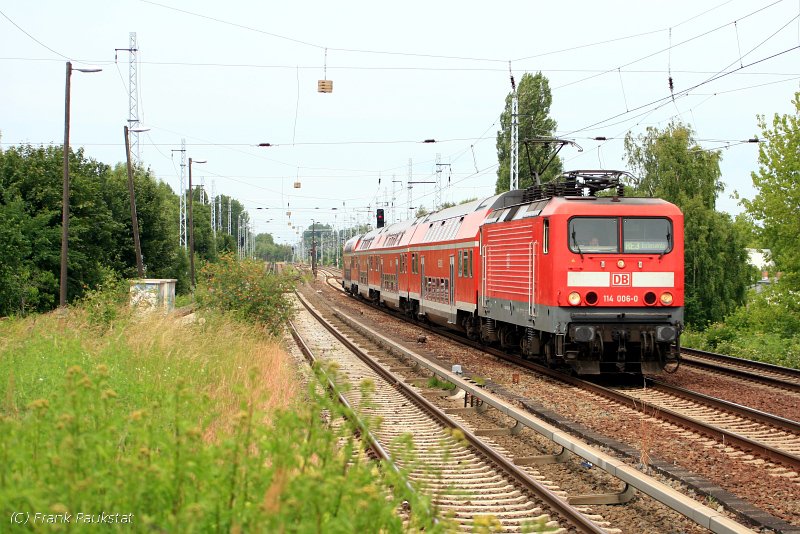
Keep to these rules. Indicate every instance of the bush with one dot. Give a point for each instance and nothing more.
(105, 304)
(764, 329)
(245, 289)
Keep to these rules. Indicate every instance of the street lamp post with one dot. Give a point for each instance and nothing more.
(62, 298)
(134, 219)
(191, 223)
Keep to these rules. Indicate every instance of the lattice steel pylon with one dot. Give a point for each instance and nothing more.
(184, 243)
(133, 99)
(213, 202)
(513, 181)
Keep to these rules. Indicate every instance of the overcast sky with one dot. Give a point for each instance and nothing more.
(226, 76)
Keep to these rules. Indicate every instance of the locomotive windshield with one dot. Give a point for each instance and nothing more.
(639, 235)
(594, 234)
(646, 235)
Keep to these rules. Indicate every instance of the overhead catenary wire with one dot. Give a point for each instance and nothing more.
(469, 148)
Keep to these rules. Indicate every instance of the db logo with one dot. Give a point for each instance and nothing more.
(621, 279)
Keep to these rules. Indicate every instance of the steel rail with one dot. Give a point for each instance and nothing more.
(766, 418)
(569, 513)
(794, 386)
(373, 442)
(704, 516)
(771, 453)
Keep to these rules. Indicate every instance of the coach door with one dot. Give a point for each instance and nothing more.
(452, 290)
(422, 285)
(532, 278)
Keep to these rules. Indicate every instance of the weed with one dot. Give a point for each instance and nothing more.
(435, 383)
(189, 432)
(246, 290)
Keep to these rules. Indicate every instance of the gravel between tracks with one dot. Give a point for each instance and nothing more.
(758, 396)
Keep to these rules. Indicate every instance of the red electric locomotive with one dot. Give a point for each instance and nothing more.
(555, 272)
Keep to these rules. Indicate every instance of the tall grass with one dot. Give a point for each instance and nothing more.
(189, 427)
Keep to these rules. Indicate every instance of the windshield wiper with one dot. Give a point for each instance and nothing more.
(575, 242)
(666, 248)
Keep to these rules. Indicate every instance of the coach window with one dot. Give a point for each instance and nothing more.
(646, 235)
(414, 269)
(594, 234)
(469, 263)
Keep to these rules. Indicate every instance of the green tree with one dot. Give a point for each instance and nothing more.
(672, 166)
(157, 212)
(268, 250)
(534, 121)
(777, 205)
(205, 245)
(33, 177)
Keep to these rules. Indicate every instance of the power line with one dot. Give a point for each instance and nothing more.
(32, 37)
(685, 91)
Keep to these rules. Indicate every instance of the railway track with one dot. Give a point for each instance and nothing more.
(772, 375)
(770, 437)
(602, 500)
(752, 432)
(760, 439)
(469, 481)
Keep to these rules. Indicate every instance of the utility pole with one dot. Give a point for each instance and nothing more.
(134, 218)
(394, 196)
(191, 224)
(62, 290)
(313, 248)
(182, 198)
(439, 166)
(410, 214)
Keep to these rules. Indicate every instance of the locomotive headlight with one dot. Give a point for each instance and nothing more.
(621, 264)
(666, 299)
(574, 298)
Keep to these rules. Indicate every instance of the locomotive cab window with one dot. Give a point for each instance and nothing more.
(545, 236)
(646, 235)
(594, 234)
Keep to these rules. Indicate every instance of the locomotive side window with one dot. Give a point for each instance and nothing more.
(594, 234)
(646, 235)
(546, 237)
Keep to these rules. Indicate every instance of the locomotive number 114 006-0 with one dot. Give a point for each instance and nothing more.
(621, 299)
